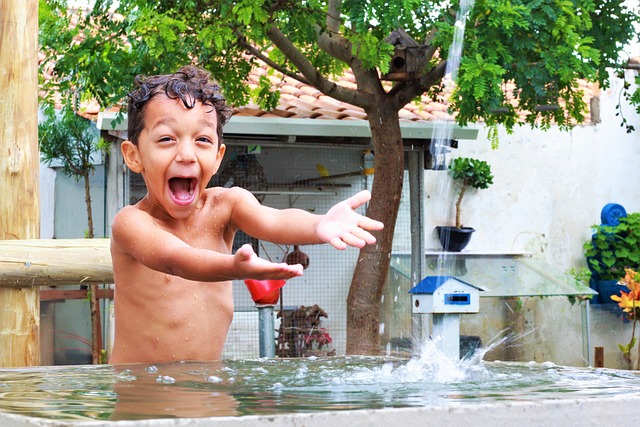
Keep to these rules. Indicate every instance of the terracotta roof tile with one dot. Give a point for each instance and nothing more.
(310, 90)
(299, 100)
(278, 112)
(331, 114)
(355, 114)
(304, 113)
(308, 99)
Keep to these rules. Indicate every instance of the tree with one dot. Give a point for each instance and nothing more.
(542, 48)
(71, 140)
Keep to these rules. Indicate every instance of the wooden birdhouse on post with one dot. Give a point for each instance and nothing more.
(408, 57)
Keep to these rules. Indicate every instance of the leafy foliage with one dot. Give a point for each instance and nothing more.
(613, 248)
(471, 173)
(540, 47)
(70, 140)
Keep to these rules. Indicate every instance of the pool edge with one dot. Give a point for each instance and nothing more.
(570, 412)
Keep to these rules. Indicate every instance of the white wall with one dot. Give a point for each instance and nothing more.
(549, 188)
(47, 200)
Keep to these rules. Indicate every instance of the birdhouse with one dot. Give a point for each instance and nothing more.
(408, 57)
(445, 294)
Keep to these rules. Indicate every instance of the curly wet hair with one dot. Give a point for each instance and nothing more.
(189, 84)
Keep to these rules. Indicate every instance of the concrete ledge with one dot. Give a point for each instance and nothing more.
(606, 411)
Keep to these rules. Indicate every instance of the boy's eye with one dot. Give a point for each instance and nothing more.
(205, 139)
(165, 139)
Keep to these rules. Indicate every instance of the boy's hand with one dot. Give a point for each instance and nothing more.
(342, 225)
(250, 265)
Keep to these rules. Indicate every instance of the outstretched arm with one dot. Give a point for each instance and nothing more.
(341, 226)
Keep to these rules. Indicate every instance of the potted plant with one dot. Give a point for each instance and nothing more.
(469, 172)
(612, 249)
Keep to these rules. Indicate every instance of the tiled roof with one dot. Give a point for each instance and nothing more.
(299, 100)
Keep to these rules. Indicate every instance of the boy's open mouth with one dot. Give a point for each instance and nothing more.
(182, 189)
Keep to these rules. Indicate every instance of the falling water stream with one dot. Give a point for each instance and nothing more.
(443, 130)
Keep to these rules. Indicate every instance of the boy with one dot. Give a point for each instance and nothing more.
(171, 252)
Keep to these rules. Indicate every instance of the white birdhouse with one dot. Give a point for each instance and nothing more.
(445, 294)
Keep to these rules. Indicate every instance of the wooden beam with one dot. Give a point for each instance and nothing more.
(19, 172)
(50, 262)
(65, 294)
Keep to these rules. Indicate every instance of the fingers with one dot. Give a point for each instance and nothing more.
(337, 243)
(370, 224)
(358, 238)
(364, 236)
(245, 252)
(285, 271)
(359, 199)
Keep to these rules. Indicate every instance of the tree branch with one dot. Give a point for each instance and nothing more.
(283, 70)
(405, 93)
(307, 69)
(333, 16)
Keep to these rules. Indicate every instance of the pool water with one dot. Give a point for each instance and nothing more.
(279, 386)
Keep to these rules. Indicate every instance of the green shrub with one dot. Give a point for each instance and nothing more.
(614, 248)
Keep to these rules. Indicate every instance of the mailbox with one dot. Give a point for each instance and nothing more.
(445, 294)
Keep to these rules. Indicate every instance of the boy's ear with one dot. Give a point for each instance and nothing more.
(219, 157)
(131, 156)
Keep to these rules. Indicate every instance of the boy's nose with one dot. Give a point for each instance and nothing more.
(186, 152)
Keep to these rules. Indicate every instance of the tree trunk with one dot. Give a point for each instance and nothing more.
(463, 189)
(96, 323)
(87, 199)
(363, 302)
(96, 326)
(19, 172)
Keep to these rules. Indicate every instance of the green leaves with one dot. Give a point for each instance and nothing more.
(514, 50)
(473, 172)
(69, 139)
(264, 94)
(626, 349)
(614, 248)
(540, 44)
(372, 52)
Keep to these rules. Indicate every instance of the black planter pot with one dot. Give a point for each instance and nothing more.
(454, 239)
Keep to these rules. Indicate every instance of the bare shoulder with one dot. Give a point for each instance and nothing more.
(126, 216)
(231, 197)
(129, 224)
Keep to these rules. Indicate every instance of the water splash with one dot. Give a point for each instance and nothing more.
(430, 366)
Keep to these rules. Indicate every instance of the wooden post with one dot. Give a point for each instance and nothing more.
(599, 357)
(19, 172)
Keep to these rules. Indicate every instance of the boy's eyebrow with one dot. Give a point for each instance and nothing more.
(171, 120)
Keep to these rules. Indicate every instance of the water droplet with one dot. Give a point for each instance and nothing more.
(151, 369)
(165, 379)
(27, 264)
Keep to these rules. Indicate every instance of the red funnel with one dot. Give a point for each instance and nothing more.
(264, 292)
